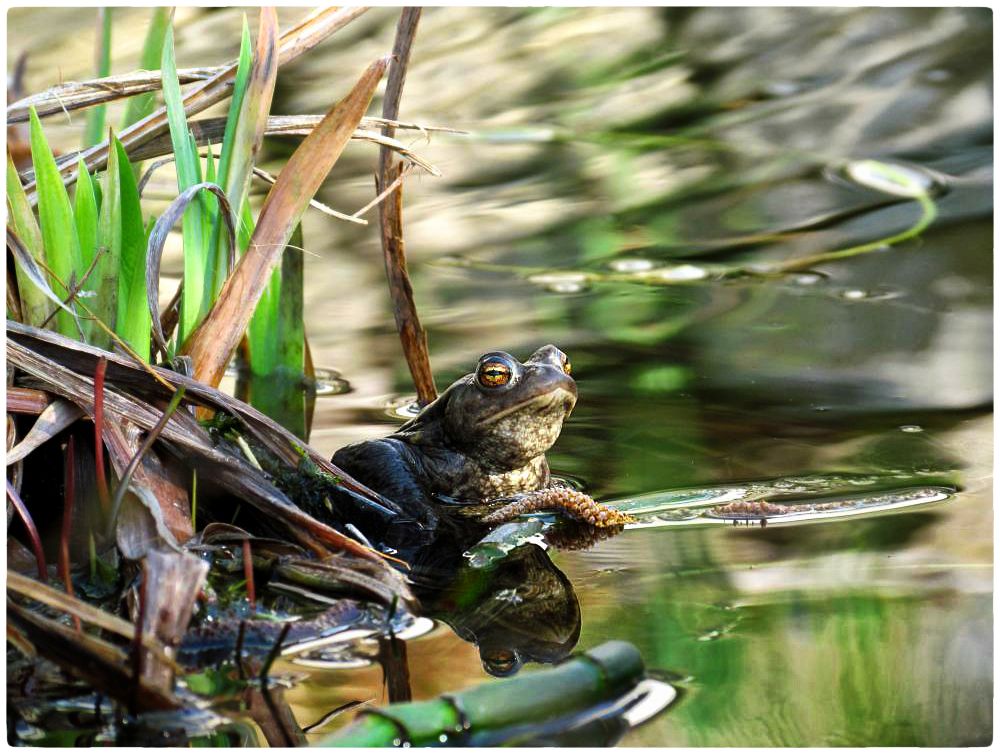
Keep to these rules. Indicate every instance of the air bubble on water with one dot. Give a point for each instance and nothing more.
(911, 428)
(631, 265)
(807, 278)
(892, 178)
(401, 407)
(561, 282)
(854, 294)
(329, 382)
(679, 273)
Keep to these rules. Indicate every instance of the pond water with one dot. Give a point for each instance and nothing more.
(616, 160)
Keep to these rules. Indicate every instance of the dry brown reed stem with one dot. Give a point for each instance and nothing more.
(95, 661)
(213, 343)
(211, 131)
(29, 524)
(76, 95)
(299, 39)
(26, 400)
(411, 332)
(31, 589)
(61, 364)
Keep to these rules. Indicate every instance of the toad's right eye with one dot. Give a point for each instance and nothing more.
(493, 374)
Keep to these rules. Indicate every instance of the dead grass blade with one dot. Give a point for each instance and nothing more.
(293, 43)
(271, 180)
(64, 366)
(211, 131)
(35, 590)
(411, 332)
(213, 343)
(75, 95)
(96, 662)
(341, 575)
(53, 420)
(158, 237)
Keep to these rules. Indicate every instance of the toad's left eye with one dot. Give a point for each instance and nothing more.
(567, 367)
(493, 374)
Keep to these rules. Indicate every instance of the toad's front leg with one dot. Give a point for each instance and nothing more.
(571, 502)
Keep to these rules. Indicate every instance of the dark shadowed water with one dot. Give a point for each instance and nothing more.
(618, 162)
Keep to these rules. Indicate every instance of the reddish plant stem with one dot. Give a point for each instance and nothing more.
(248, 574)
(67, 522)
(29, 524)
(102, 481)
(412, 335)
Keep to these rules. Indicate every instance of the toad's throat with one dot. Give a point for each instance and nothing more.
(545, 402)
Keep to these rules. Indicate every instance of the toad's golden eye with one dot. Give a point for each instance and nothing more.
(493, 374)
(567, 367)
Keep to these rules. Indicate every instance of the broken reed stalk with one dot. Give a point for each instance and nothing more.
(67, 521)
(29, 525)
(411, 333)
(102, 480)
(26, 400)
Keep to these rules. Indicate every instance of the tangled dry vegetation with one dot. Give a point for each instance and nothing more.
(130, 471)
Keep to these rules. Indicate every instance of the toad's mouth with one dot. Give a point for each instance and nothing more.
(550, 402)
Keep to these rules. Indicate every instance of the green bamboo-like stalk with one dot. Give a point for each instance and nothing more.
(604, 673)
